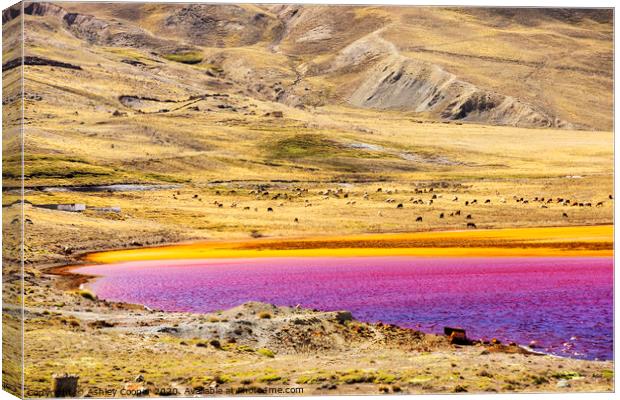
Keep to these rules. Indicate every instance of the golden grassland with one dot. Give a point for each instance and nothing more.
(151, 218)
(72, 137)
(182, 147)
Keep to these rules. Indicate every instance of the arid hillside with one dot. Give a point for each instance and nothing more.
(255, 121)
(526, 67)
(160, 92)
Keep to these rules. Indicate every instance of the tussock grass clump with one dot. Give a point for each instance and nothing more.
(270, 378)
(87, 294)
(311, 379)
(607, 373)
(539, 380)
(71, 321)
(566, 375)
(385, 378)
(356, 376)
(246, 349)
(266, 352)
(420, 380)
(221, 379)
(264, 315)
(192, 57)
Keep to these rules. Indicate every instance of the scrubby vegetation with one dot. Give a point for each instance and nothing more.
(264, 315)
(266, 352)
(87, 294)
(185, 58)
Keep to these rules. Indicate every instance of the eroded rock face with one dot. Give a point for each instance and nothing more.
(397, 82)
(96, 30)
(38, 9)
(84, 24)
(216, 26)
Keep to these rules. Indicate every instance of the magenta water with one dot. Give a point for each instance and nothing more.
(565, 304)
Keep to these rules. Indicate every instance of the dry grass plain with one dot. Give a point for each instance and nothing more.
(573, 168)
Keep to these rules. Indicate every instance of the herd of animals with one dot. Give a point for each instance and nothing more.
(263, 193)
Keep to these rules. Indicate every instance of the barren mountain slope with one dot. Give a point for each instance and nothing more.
(342, 100)
(530, 68)
(556, 62)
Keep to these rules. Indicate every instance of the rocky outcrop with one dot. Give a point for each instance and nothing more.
(217, 26)
(37, 9)
(291, 330)
(392, 81)
(98, 31)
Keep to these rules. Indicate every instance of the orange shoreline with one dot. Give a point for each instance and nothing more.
(574, 241)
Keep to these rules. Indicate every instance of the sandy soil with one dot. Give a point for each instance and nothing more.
(260, 347)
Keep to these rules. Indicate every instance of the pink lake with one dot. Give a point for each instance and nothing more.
(566, 304)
